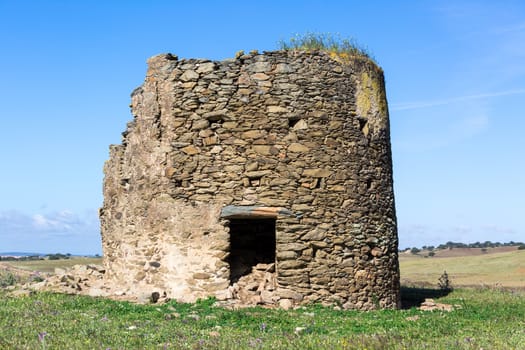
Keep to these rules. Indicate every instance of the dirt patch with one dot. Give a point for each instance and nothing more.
(520, 270)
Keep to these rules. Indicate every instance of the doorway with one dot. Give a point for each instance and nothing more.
(252, 242)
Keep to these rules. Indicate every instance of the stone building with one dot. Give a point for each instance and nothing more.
(264, 179)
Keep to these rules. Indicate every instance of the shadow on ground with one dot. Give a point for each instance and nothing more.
(414, 296)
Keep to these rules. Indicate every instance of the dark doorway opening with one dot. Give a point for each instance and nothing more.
(252, 241)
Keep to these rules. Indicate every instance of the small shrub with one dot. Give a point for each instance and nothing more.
(444, 283)
(7, 279)
(36, 277)
(431, 253)
(521, 247)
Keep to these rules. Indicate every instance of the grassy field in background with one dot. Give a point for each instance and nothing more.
(50, 265)
(489, 270)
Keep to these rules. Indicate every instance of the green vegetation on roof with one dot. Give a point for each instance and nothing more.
(335, 45)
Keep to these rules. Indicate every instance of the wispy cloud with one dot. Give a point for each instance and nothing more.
(433, 103)
(63, 221)
(48, 232)
(57, 223)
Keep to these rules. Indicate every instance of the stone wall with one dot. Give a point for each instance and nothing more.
(297, 138)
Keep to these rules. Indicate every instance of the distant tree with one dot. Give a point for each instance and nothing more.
(521, 247)
(489, 244)
(431, 253)
(414, 250)
(57, 256)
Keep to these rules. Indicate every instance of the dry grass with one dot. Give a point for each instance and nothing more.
(506, 269)
(50, 265)
(338, 47)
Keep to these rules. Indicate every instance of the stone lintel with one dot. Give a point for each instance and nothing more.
(253, 212)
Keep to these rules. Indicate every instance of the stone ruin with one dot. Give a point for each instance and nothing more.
(260, 180)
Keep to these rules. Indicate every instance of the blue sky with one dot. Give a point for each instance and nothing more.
(455, 78)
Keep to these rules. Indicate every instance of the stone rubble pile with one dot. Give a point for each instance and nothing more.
(79, 279)
(431, 305)
(257, 287)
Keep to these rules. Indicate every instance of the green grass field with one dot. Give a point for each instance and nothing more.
(484, 318)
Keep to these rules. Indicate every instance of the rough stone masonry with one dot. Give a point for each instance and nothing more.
(264, 179)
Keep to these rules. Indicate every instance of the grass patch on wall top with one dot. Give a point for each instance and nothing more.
(339, 48)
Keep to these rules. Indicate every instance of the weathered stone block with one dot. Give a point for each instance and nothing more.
(259, 67)
(260, 76)
(290, 264)
(190, 150)
(297, 148)
(206, 67)
(201, 275)
(189, 75)
(200, 124)
(277, 109)
(317, 172)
